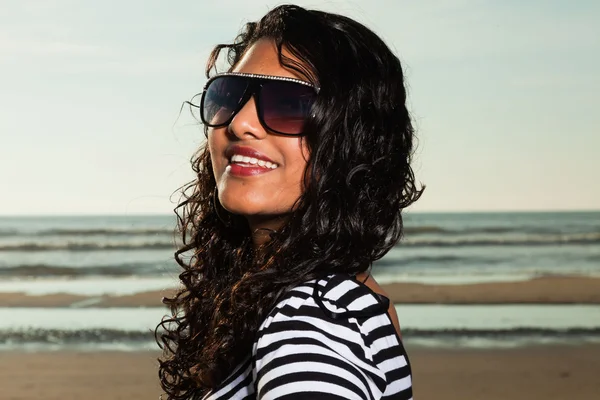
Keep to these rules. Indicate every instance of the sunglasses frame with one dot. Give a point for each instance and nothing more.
(254, 89)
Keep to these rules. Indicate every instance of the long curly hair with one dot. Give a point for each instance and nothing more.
(358, 181)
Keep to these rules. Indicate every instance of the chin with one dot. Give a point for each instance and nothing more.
(243, 209)
(242, 205)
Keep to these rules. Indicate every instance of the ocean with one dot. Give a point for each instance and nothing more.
(121, 255)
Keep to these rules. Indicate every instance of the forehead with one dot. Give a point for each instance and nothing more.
(262, 58)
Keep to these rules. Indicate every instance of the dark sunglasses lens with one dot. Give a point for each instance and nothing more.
(222, 99)
(286, 105)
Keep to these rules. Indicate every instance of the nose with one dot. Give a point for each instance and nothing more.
(246, 122)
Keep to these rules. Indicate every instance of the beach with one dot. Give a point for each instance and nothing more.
(543, 290)
(531, 373)
(501, 368)
(491, 306)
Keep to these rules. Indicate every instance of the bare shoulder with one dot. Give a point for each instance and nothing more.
(372, 284)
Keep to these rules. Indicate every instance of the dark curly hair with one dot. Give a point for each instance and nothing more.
(358, 181)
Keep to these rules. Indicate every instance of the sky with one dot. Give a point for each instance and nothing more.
(504, 96)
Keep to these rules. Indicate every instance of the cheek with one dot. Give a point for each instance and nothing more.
(293, 183)
(298, 157)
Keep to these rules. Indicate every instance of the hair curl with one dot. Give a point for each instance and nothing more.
(358, 181)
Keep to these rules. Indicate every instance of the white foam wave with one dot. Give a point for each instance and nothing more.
(89, 287)
(423, 317)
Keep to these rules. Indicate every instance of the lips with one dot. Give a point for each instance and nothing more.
(246, 152)
(248, 168)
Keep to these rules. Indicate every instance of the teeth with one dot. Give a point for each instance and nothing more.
(237, 158)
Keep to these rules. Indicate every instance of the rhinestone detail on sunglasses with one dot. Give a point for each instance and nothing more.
(273, 77)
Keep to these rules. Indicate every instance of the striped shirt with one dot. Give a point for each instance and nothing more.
(326, 339)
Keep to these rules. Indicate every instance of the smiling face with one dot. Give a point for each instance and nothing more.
(262, 193)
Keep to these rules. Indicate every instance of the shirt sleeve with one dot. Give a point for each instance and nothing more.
(299, 354)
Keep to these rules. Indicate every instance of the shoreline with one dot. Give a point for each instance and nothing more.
(536, 372)
(546, 290)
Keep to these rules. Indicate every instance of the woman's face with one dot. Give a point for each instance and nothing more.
(265, 196)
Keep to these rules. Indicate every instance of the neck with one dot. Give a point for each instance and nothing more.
(262, 226)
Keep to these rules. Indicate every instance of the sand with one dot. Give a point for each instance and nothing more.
(543, 290)
(533, 373)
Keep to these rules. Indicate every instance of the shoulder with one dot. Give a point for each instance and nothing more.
(324, 333)
(337, 296)
(337, 303)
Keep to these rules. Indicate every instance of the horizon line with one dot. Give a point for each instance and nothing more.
(521, 211)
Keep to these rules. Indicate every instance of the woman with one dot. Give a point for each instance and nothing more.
(299, 188)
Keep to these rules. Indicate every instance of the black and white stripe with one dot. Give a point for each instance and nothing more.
(321, 341)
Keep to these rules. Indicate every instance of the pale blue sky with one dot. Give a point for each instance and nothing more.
(505, 95)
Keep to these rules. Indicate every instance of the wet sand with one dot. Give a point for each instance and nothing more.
(543, 290)
(544, 372)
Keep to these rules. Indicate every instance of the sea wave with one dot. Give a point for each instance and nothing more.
(107, 232)
(438, 230)
(88, 246)
(409, 230)
(416, 230)
(539, 240)
(594, 258)
(441, 231)
(87, 336)
(501, 333)
(12, 232)
(70, 336)
(445, 259)
(117, 270)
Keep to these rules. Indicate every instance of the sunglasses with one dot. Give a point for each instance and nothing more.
(282, 104)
